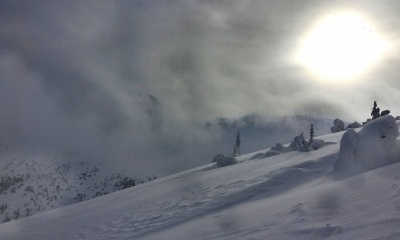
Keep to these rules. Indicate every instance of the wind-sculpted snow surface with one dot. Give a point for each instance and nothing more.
(171, 201)
(373, 147)
(286, 196)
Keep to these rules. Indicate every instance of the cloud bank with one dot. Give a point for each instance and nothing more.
(134, 82)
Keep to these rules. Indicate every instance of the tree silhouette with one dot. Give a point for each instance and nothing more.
(311, 133)
(375, 113)
(236, 147)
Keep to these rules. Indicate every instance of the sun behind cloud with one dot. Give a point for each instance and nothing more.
(341, 47)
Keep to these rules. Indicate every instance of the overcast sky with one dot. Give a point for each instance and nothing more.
(117, 79)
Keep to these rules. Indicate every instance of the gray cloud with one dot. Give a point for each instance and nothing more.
(76, 75)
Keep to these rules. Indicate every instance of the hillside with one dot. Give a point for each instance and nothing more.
(293, 195)
(33, 182)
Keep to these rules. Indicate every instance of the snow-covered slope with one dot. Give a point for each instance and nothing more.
(32, 183)
(294, 195)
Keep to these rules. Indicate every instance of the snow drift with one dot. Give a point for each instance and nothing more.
(286, 196)
(373, 147)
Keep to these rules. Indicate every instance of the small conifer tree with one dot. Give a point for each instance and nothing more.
(375, 113)
(236, 147)
(312, 133)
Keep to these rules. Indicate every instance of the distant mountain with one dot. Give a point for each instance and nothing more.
(30, 184)
(349, 189)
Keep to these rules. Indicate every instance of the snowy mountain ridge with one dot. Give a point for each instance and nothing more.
(293, 195)
(33, 182)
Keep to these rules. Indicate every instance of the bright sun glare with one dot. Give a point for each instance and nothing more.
(341, 46)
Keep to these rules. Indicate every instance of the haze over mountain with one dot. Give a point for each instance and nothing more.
(153, 87)
(32, 182)
(133, 82)
(346, 190)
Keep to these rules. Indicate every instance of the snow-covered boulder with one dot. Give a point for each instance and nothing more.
(227, 161)
(299, 143)
(368, 120)
(271, 153)
(354, 125)
(377, 145)
(385, 112)
(373, 147)
(338, 126)
(280, 148)
(258, 156)
(218, 156)
(317, 144)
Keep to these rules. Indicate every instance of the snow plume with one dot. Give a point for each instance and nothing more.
(373, 147)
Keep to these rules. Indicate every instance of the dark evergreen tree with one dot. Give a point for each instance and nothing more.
(16, 214)
(236, 147)
(375, 113)
(312, 133)
(238, 142)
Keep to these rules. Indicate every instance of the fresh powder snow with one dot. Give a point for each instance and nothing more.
(346, 190)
